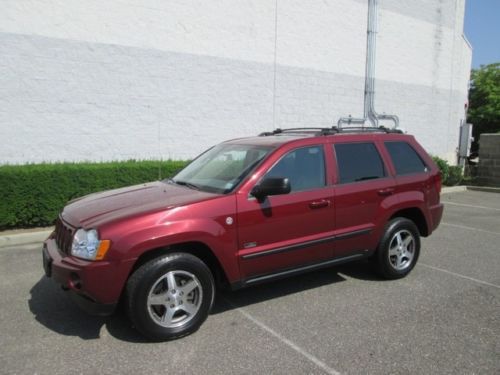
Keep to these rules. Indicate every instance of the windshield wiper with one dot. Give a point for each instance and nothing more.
(185, 183)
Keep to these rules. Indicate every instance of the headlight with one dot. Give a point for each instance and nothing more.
(86, 245)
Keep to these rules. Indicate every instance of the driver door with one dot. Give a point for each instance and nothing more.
(286, 231)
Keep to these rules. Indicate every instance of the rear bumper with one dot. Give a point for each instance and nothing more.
(94, 286)
(436, 213)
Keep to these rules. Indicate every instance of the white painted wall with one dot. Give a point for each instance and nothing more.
(108, 80)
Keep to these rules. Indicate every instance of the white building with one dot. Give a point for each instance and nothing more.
(149, 79)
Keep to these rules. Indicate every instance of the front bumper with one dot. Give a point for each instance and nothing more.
(94, 286)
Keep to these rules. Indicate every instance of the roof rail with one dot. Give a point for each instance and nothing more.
(333, 130)
(316, 131)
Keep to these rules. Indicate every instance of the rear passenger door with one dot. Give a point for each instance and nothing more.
(362, 184)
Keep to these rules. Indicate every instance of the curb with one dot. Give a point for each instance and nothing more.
(484, 188)
(25, 238)
(453, 189)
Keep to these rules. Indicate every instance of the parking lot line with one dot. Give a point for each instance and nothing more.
(469, 228)
(285, 341)
(459, 275)
(471, 205)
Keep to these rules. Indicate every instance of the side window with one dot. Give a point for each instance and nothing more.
(358, 162)
(304, 167)
(405, 158)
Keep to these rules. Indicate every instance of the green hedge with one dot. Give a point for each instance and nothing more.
(451, 175)
(32, 195)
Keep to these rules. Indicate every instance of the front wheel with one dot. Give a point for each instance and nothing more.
(398, 249)
(170, 296)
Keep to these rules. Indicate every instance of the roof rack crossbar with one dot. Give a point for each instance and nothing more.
(368, 129)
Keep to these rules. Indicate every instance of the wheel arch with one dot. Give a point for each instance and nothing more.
(195, 248)
(416, 215)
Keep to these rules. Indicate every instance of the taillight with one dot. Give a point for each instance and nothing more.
(437, 182)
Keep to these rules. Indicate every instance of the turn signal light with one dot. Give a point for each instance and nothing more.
(103, 248)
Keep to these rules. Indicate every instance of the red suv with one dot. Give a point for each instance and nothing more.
(246, 211)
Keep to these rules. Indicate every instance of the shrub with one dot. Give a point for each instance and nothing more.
(450, 174)
(455, 176)
(443, 166)
(34, 194)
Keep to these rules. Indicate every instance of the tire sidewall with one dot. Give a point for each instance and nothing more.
(158, 268)
(386, 268)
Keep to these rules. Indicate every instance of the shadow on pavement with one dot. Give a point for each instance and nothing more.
(361, 270)
(227, 300)
(54, 309)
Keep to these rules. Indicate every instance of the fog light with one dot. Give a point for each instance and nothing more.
(74, 281)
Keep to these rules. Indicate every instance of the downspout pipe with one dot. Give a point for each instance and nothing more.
(369, 112)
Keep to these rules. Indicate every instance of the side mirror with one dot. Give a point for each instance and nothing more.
(271, 186)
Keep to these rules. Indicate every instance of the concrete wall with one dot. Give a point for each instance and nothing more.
(111, 80)
(489, 160)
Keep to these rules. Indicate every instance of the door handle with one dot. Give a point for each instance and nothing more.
(319, 204)
(385, 192)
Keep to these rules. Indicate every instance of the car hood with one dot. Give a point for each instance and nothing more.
(96, 209)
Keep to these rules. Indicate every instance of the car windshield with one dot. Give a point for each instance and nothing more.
(221, 168)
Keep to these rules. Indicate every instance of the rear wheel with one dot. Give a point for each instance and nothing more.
(170, 296)
(398, 249)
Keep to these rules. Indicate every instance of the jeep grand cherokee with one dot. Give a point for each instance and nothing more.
(246, 211)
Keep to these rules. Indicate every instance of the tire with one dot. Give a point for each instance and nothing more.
(170, 296)
(399, 248)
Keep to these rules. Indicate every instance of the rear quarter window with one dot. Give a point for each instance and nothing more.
(405, 159)
(358, 162)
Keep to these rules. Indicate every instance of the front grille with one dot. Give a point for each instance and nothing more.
(64, 236)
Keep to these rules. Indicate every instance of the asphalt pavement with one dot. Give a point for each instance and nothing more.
(443, 318)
